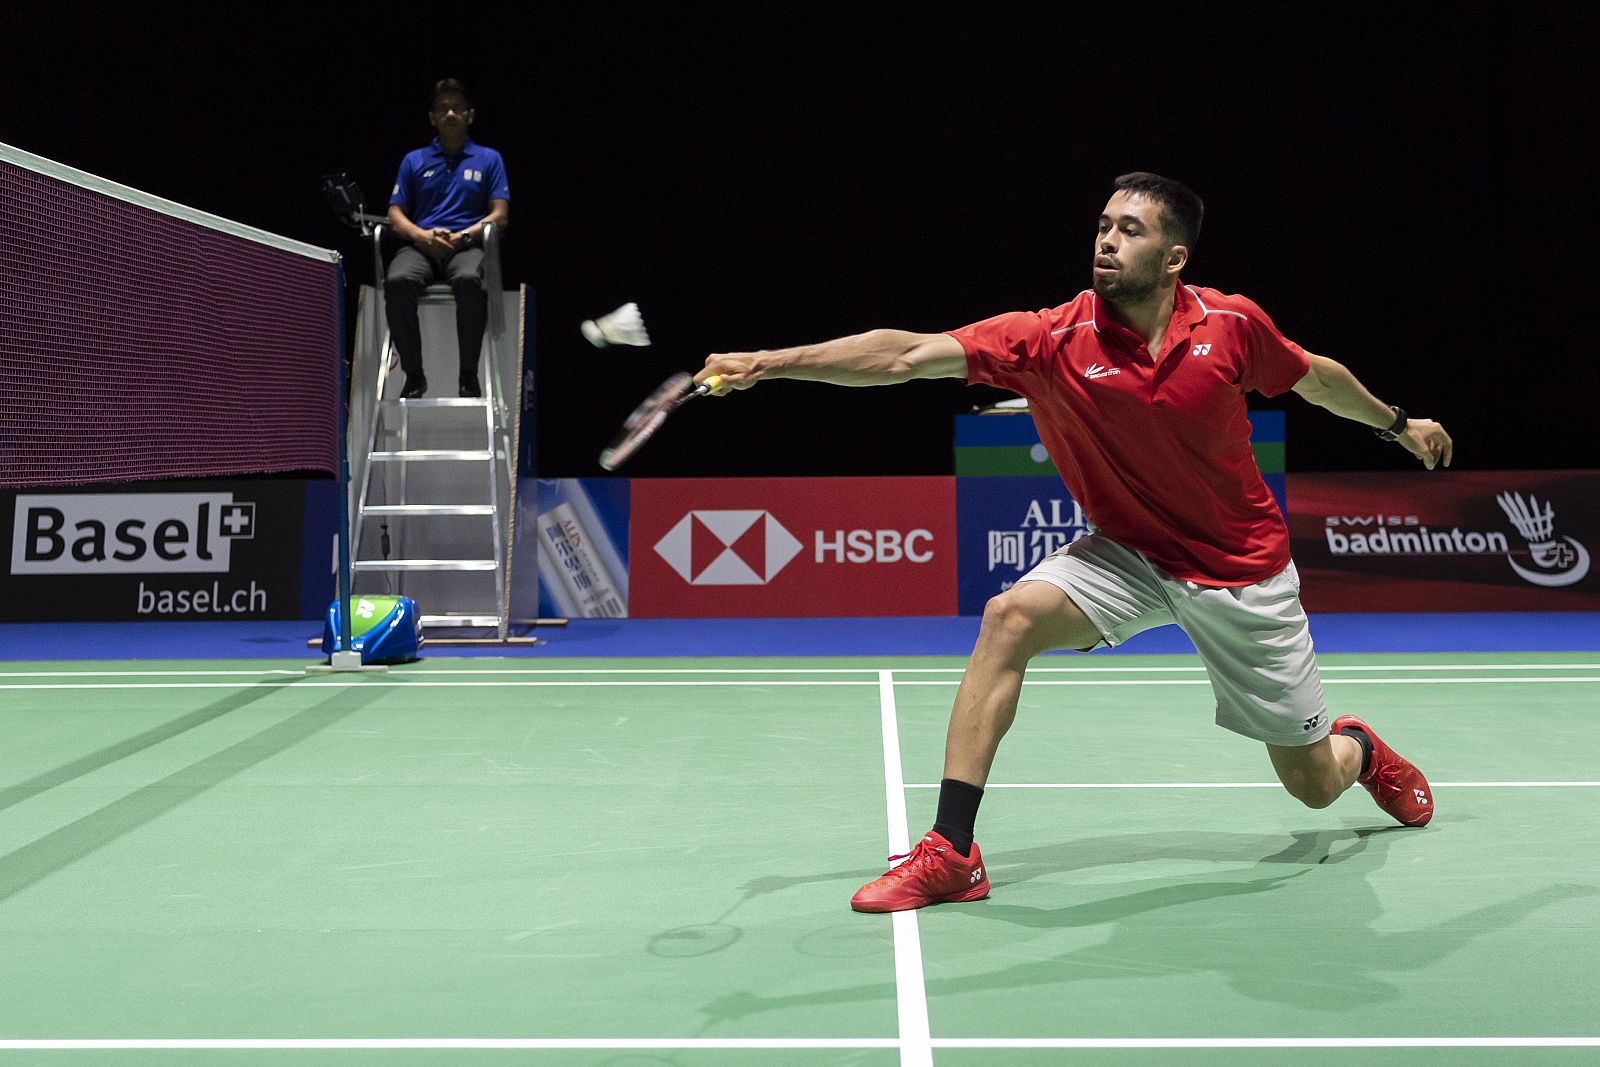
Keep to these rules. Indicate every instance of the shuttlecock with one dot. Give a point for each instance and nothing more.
(624, 326)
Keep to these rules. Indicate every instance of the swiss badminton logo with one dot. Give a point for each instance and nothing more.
(728, 547)
(1556, 560)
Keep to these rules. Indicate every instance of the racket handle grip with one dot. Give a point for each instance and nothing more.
(710, 386)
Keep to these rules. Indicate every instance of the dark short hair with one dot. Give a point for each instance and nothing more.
(1181, 207)
(449, 85)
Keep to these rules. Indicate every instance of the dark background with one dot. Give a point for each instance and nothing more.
(1407, 188)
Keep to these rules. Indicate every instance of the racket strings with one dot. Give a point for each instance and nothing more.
(646, 420)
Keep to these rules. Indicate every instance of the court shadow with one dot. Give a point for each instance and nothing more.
(1162, 894)
(62, 847)
(120, 750)
(1247, 926)
(703, 939)
(1305, 848)
(1308, 848)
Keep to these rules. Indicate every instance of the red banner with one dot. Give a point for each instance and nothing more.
(755, 547)
(1447, 540)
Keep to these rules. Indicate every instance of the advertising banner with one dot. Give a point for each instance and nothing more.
(1006, 526)
(1000, 443)
(751, 547)
(190, 550)
(578, 529)
(1447, 540)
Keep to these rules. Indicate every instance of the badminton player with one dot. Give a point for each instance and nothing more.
(1137, 386)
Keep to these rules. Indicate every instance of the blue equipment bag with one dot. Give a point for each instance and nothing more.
(384, 629)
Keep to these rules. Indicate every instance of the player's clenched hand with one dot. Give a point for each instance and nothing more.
(1428, 441)
(737, 370)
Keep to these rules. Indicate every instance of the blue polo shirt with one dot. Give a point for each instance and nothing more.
(435, 189)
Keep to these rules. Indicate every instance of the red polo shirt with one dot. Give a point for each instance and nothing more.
(1156, 450)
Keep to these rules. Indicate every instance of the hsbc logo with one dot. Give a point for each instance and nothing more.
(751, 547)
(792, 547)
(728, 547)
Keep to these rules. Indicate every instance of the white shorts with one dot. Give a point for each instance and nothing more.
(1253, 639)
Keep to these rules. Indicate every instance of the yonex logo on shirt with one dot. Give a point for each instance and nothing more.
(1202, 350)
(1097, 371)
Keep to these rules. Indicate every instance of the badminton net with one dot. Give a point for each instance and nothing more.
(140, 339)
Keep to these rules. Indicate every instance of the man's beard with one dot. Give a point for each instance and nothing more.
(1124, 288)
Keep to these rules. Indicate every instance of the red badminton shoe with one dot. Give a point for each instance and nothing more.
(1397, 786)
(933, 873)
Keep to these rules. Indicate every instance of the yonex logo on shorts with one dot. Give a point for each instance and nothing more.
(728, 547)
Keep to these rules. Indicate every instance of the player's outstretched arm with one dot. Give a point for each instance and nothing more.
(1329, 384)
(877, 357)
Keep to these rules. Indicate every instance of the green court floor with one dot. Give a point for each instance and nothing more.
(633, 862)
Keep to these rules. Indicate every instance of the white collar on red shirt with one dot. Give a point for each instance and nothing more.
(1187, 308)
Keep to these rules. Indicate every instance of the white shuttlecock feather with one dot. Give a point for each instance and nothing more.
(624, 326)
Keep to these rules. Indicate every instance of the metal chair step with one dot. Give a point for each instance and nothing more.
(429, 509)
(441, 402)
(426, 455)
(424, 565)
(459, 620)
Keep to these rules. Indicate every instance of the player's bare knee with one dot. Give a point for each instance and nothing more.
(1007, 622)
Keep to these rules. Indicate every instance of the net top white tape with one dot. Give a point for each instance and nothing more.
(127, 194)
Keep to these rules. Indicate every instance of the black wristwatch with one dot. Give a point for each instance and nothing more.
(1396, 428)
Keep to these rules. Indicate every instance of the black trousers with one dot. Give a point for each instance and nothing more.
(409, 273)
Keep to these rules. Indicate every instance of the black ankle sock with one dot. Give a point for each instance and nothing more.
(958, 813)
(1364, 741)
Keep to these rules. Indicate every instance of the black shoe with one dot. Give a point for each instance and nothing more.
(471, 388)
(414, 388)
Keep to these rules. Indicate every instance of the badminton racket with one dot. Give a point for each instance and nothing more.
(648, 416)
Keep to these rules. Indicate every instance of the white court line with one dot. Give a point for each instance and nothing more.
(657, 671)
(957, 670)
(1249, 785)
(1266, 1042)
(367, 681)
(1326, 681)
(324, 682)
(146, 674)
(436, 1043)
(760, 1043)
(911, 994)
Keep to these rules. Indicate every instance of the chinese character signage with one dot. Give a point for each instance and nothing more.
(1005, 526)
